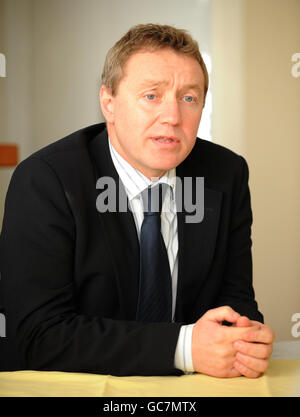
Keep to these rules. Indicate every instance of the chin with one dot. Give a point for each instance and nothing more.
(161, 170)
(170, 164)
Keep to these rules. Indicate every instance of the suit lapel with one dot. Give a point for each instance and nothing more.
(197, 243)
(120, 231)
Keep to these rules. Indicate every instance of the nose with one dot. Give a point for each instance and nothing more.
(170, 112)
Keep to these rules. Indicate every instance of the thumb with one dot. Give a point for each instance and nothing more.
(224, 313)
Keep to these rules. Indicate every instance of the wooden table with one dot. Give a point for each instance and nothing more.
(281, 379)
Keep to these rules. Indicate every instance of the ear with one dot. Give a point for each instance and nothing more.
(107, 103)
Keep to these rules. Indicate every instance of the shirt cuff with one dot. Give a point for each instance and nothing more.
(183, 353)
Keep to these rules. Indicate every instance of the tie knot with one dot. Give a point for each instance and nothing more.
(153, 198)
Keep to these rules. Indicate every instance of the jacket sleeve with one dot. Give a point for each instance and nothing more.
(237, 289)
(39, 293)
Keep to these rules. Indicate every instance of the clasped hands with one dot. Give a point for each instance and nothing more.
(230, 351)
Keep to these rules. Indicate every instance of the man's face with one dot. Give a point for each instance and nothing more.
(153, 119)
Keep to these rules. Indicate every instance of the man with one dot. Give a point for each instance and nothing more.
(76, 279)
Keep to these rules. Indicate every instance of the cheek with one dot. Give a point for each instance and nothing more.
(191, 124)
(122, 113)
(130, 116)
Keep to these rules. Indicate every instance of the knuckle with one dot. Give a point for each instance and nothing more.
(248, 372)
(253, 374)
(267, 351)
(269, 334)
(238, 365)
(243, 358)
(270, 351)
(265, 365)
(267, 339)
(207, 313)
(270, 337)
(246, 360)
(227, 309)
(242, 347)
(223, 352)
(249, 335)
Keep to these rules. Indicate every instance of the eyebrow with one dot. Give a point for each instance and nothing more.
(158, 83)
(149, 82)
(193, 87)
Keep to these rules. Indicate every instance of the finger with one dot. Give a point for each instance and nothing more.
(260, 333)
(257, 350)
(224, 313)
(243, 321)
(256, 322)
(234, 333)
(233, 373)
(249, 373)
(257, 365)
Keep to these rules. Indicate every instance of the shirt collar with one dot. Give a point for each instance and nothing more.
(134, 181)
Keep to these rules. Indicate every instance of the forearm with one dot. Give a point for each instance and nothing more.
(78, 343)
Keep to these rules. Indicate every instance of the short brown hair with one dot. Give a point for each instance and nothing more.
(149, 37)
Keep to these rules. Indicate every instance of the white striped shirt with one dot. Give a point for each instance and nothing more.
(134, 183)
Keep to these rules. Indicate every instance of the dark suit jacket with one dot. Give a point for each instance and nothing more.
(70, 275)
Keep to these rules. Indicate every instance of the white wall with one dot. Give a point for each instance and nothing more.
(228, 74)
(273, 151)
(256, 107)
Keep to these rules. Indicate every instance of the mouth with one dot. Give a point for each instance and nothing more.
(165, 140)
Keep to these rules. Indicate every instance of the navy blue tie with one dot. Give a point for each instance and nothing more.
(155, 296)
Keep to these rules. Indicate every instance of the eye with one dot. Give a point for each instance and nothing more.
(188, 99)
(150, 96)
